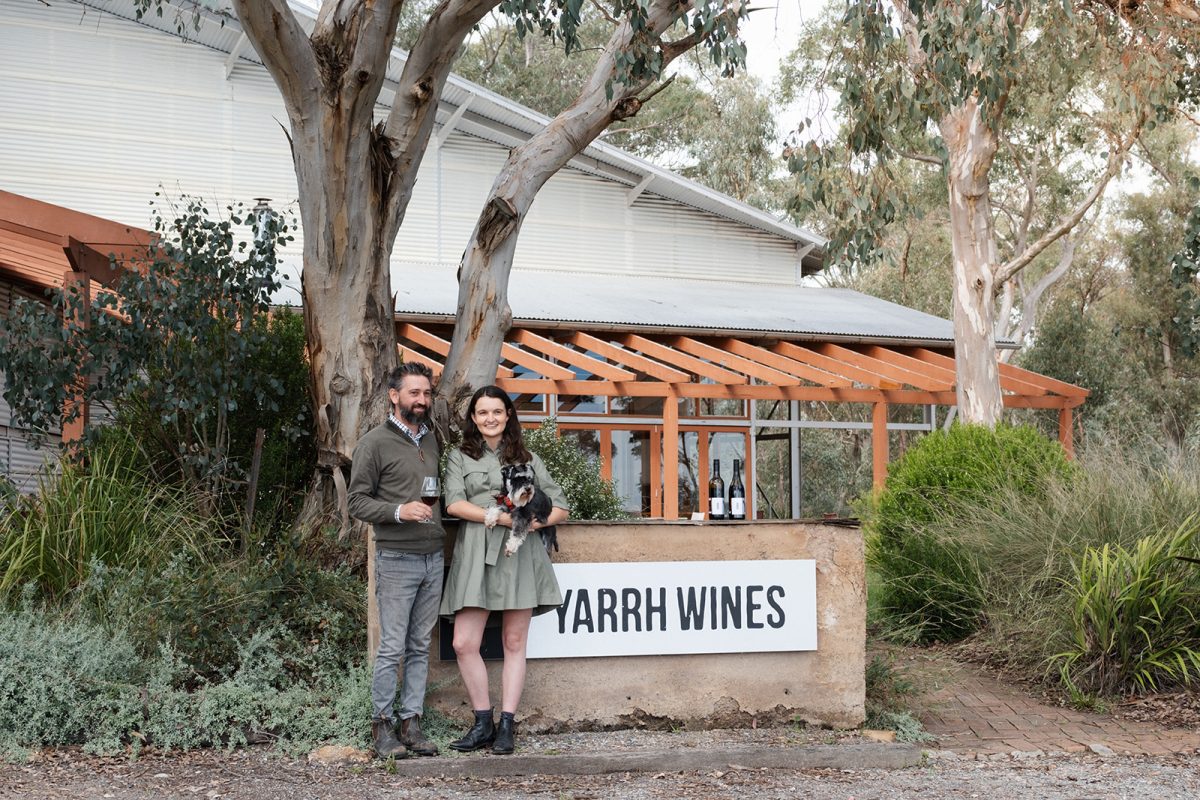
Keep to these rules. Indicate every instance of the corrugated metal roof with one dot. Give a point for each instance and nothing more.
(495, 118)
(710, 306)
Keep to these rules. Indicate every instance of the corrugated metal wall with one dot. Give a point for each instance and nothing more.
(100, 113)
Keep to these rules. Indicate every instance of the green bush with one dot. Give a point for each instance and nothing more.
(104, 511)
(1135, 622)
(77, 682)
(932, 584)
(207, 611)
(590, 496)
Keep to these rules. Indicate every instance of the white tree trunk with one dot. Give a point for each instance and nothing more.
(972, 147)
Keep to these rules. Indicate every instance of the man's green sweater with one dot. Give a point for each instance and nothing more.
(386, 473)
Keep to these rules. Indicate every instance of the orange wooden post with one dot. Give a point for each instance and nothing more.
(1065, 434)
(670, 449)
(879, 444)
(73, 429)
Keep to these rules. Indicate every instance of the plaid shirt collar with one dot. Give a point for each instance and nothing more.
(407, 431)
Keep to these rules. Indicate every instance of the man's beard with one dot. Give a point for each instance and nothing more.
(413, 417)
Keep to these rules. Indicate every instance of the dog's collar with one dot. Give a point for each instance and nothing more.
(503, 501)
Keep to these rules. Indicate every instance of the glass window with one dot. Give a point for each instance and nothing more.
(835, 468)
(773, 473)
(727, 446)
(706, 407)
(637, 406)
(587, 441)
(581, 404)
(535, 403)
(631, 470)
(689, 474)
(722, 407)
(771, 409)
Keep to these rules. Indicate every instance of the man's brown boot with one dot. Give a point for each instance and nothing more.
(412, 738)
(385, 741)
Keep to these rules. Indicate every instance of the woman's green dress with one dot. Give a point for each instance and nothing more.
(481, 576)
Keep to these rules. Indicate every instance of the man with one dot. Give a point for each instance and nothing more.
(390, 463)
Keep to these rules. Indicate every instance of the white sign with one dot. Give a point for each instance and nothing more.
(673, 607)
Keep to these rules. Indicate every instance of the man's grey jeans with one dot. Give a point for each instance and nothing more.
(408, 590)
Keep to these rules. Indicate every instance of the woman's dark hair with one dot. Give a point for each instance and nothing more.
(512, 444)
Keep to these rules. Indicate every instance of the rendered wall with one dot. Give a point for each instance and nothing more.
(823, 687)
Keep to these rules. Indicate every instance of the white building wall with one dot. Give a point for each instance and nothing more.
(99, 113)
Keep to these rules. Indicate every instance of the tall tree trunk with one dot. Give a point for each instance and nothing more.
(972, 147)
(355, 179)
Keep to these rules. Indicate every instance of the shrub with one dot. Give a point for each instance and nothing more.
(590, 496)
(888, 696)
(932, 585)
(207, 611)
(105, 511)
(57, 678)
(77, 682)
(1134, 620)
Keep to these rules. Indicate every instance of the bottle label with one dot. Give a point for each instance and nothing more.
(716, 507)
(737, 507)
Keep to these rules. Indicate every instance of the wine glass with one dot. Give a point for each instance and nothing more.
(431, 490)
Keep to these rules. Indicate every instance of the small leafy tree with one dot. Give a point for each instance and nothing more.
(169, 349)
(591, 497)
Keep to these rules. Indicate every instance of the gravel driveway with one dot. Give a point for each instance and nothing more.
(258, 775)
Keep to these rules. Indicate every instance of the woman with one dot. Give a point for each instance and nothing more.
(482, 579)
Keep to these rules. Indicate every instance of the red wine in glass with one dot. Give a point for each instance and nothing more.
(430, 492)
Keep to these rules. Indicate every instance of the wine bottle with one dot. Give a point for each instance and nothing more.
(737, 493)
(716, 492)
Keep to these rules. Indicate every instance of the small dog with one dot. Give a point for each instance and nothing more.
(525, 503)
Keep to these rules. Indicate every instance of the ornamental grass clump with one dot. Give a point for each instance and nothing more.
(932, 585)
(105, 511)
(1134, 617)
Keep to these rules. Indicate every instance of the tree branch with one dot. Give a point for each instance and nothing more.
(1116, 158)
(1148, 157)
(926, 159)
(421, 83)
(604, 13)
(272, 27)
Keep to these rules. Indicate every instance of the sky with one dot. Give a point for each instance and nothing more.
(770, 33)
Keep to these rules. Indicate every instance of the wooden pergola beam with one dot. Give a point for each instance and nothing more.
(730, 361)
(681, 360)
(408, 354)
(833, 365)
(629, 358)
(417, 335)
(577, 358)
(539, 365)
(783, 363)
(905, 375)
(1011, 384)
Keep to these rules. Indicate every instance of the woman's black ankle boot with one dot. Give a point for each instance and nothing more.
(504, 735)
(482, 733)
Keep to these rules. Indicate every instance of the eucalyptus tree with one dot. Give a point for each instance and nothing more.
(1045, 95)
(356, 174)
(719, 131)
